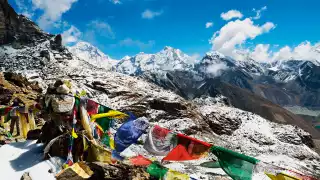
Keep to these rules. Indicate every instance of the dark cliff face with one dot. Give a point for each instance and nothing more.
(16, 28)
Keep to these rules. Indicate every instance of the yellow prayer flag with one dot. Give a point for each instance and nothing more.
(32, 122)
(281, 176)
(110, 114)
(74, 134)
(174, 175)
(85, 144)
(24, 124)
(98, 153)
(112, 143)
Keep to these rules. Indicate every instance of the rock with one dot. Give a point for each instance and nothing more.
(45, 53)
(223, 125)
(306, 138)
(56, 44)
(118, 171)
(62, 103)
(63, 89)
(34, 134)
(289, 138)
(25, 176)
(17, 29)
(261, 139)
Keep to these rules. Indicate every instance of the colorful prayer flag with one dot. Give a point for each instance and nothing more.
(110, 114)
(159, 141)
(5, 110)
(156, 170)
(281, 176)
(211, 164)
(103, 123)
(175, 175)
(140, 161)
(188, 148)
(129, 133)
(92, 107)
(237, 166)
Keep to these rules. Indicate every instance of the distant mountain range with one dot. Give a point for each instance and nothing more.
(286, 82)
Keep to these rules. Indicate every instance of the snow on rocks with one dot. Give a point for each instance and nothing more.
(260, 138)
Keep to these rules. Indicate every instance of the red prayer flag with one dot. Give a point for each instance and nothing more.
(188, 148)
(140, 161)
(92, 107)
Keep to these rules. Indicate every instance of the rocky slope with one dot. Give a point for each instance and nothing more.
(206, 118)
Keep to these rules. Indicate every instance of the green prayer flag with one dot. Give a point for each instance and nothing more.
(237, 166)
(104, 123)
(156, 170)
(211, 164)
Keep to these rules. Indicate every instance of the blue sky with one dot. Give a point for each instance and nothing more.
(126, 27)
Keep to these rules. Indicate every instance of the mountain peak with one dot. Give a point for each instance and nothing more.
(215, 54)
(92, 55)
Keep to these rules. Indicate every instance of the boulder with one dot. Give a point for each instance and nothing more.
(63, 89)
(306, 138)
(223, 125)
(62, 103)
(289, 138)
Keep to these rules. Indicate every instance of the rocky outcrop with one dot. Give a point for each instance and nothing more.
(14, 85)
(17, 29)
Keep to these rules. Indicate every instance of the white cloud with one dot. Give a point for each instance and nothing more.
(236, 33)
(128, 42)
(258, 12)
(231, 14)
(261, 52)
(303, 51)
(101, 28)
(148, 14)
(209, 24)
(52, 10)
(215, 70)
(194, 58)
(116, 1)
(71, 35)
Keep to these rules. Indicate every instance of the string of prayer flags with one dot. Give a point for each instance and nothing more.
(160, 141)
(237, 166)
(188, 148)
(129, 133)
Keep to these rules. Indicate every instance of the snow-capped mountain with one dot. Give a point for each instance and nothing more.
(167, 59)
(93, 55)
